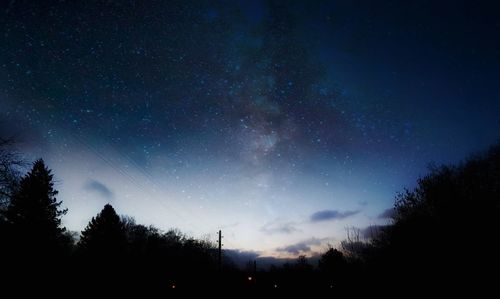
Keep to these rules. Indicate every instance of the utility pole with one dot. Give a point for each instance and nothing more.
(220, 250)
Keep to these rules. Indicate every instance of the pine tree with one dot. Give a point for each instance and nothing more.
(104, 235)
(34, 215)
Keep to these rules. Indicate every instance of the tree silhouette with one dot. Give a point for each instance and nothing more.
(9, 176)
(34, 216)
(450, 204)
(302, 265)
(104, 235)
(101, 252)
(333, 264)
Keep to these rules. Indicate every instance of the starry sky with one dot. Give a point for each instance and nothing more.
(279, 122)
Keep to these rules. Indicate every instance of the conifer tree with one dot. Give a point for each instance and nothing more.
(104, 235)
(34, 216)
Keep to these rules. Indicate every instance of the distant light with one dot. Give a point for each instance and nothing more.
(275, 286)
(249, 278)
(331, 286)
(173, 286)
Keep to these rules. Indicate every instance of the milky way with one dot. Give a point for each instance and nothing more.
(251, 117)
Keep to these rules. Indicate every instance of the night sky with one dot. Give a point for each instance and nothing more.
(279, 122)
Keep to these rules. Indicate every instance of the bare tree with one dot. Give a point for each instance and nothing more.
(10, 162)
(353, 246)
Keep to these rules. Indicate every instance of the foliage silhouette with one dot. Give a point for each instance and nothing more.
(114, 251)
(333, 264)
(104, 235)
(34, 243)
(432, 223)
(34, 211)
(422, 248)
(9, 174)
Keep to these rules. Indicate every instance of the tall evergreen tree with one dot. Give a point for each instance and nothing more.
(34, 216)
(104, 235)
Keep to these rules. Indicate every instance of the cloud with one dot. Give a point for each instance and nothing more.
(241, 254)
(100, 188)
(241, 257)
(275, 227)
(387, 214)
(331, 215)
(296, 248)
(301, 247)
(363, 203)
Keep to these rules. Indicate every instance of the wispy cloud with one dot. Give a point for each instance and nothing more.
(99, 188)
(301, 247)
(331, 215)
(277, 227)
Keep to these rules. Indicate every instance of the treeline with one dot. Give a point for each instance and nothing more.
(442, 235)
(112, 251)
